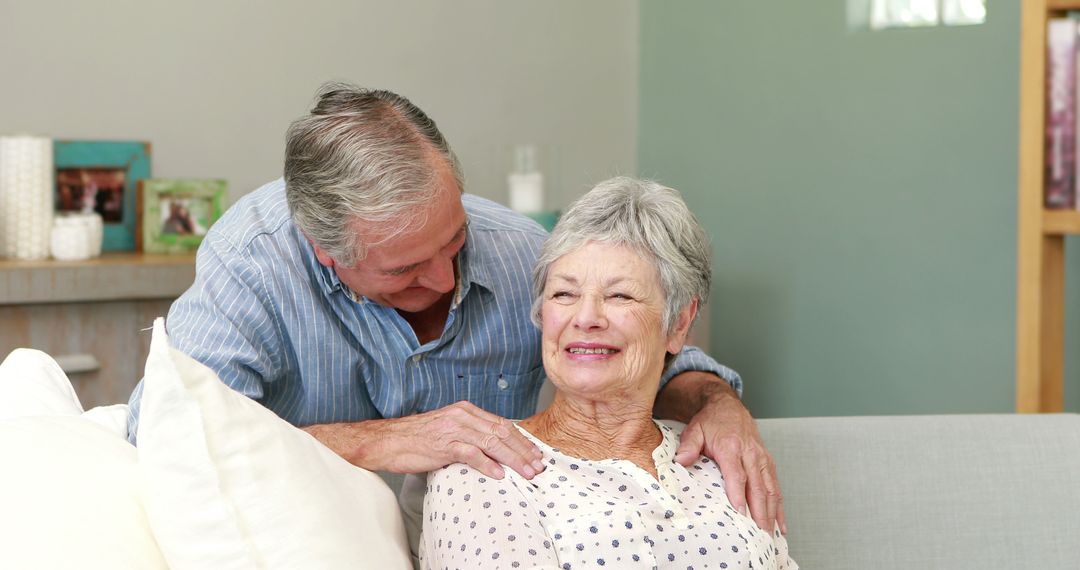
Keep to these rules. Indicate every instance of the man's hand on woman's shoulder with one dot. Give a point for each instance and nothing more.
(458, 433)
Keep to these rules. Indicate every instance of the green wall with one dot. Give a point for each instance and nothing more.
(860, 191)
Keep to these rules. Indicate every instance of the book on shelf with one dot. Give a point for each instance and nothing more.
(1059, 177)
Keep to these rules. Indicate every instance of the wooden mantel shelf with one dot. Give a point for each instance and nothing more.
(1063, 4)
(1061, 222)
(112, 276)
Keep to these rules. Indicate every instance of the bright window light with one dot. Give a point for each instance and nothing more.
(963, 12)
(903, 13)
(885, 14)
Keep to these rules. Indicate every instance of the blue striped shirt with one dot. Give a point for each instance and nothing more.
(282, 329)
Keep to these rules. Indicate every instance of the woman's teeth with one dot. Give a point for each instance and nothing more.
(592, 351)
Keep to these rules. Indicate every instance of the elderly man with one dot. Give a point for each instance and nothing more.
(367, 299)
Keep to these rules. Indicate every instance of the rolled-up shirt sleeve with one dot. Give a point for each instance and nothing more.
(693, 358)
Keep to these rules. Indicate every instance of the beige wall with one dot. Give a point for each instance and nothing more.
(214, 84)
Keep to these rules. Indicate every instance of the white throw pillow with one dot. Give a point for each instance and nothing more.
(113, 418)
(228, 484)
(32, 384)
(69, 497)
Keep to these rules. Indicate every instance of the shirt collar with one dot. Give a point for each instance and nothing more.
(662, 454)
(470, 269)
(665, 452)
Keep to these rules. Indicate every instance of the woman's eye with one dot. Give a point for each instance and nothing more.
(561, 295)
(621, 296)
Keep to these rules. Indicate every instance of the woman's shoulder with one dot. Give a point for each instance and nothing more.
(461, 484)
(456, 473)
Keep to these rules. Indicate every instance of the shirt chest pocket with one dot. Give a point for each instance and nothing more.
(615, 538)
(511, 396)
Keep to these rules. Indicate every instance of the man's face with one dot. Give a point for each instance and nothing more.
(413, 271)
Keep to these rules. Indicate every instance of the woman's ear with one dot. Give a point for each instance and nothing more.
(678, 334)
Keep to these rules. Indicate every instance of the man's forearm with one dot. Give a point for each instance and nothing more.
(356, 442)
(687, 393)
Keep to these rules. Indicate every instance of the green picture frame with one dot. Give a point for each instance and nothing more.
(175, 214)
(102, 176)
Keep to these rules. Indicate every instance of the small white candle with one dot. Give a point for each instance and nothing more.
(76, 236)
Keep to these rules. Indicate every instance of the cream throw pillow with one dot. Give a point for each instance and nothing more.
(32, 384)
(228, 484)
(69, 497)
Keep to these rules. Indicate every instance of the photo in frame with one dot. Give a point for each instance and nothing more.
(102, 177)
(175, 214)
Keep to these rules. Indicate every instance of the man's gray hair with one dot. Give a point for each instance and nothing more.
(647, 217)
(362, 156)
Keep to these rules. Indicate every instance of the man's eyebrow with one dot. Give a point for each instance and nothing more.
(461, 231)
(400, 270)
(410, 267)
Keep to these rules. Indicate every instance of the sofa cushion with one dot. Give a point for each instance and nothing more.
(70, 479)
(228, 484)
(33, 384)
(70, 497)
(957, 491)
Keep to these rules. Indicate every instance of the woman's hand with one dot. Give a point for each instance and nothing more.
(719, 427)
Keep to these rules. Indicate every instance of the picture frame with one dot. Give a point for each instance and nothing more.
(175, 214)
(102, 177)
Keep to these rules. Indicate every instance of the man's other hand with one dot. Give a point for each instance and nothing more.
(721, 429)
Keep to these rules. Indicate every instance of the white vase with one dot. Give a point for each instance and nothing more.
(26, 205)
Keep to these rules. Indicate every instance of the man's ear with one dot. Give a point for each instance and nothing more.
(324, 258)
(678, 334)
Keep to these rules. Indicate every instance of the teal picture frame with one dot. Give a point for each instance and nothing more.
(131, 158)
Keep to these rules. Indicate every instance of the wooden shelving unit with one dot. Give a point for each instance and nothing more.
(109, 277)
(1040, 290)
(93, 312)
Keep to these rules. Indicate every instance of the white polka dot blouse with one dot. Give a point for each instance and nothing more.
(589, 514)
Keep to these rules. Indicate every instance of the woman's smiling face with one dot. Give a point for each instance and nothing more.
(602, 323)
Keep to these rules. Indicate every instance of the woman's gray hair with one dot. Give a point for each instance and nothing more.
(361, 155)
(647, 217)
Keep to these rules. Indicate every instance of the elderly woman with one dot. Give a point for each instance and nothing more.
(619, 283)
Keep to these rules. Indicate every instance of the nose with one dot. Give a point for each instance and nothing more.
(590, 314)
(439, 274)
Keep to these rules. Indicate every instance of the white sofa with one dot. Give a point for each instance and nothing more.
(219, 482)
(950, 491)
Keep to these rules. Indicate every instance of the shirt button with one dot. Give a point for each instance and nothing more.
(503, 384)
(416, 358)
